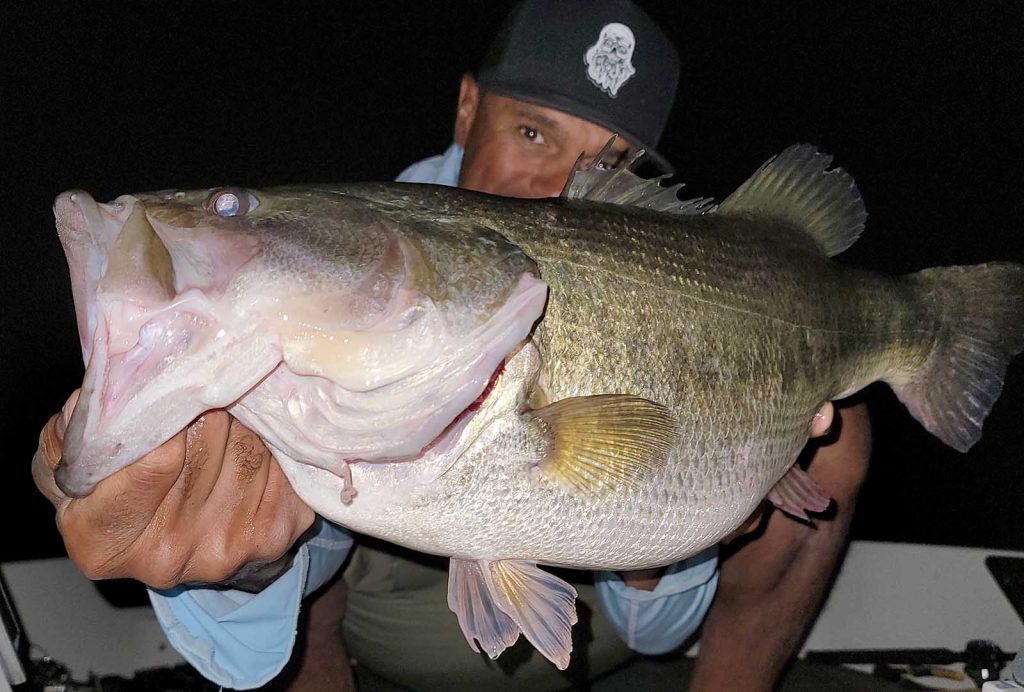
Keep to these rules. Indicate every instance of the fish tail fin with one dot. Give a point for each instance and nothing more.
(952, 392)
(796, 186)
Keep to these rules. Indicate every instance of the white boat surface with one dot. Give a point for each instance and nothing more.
(886, 596)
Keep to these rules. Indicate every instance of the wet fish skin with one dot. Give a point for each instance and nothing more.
(324, 326)
(737, 321)
(665, 393)
(742, 328)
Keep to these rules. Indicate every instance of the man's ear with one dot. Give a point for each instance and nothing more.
(465, 112)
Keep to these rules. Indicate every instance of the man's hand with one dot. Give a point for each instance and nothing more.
(209, 504)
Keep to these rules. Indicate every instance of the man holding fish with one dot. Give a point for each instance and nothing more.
(211, 524)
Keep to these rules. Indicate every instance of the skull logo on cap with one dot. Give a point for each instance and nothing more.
(608, 60)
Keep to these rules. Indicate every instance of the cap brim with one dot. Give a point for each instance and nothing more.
(566, 104)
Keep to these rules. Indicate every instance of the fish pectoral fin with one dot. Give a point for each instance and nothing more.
(605, 442)
(541, 605)
(797, 493)
(469, 597)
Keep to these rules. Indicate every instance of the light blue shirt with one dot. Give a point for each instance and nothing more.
(242, 640)
(442, 169)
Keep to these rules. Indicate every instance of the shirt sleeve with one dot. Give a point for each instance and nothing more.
(442, 169)
(242, 640)
(658, 621)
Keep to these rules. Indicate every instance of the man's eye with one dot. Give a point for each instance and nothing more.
(532, 134)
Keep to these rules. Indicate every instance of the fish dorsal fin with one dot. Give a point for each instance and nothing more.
(605, 443)
(795, 186)
(624, 187)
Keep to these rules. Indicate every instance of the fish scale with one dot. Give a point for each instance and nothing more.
(418, 381)
(738, 322)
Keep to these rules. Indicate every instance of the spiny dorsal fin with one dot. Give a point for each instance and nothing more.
(796, 186)
(622, 186)
(607, 442)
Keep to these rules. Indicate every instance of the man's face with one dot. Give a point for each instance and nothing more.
(518, 149)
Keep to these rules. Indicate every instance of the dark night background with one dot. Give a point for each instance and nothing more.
(921, 101)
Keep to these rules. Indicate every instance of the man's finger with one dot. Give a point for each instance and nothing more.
(45, 460)
(122, 505)
(248, 452)
(48, 452)
(243, 477)
(205, 441)
(65, 413)
(822, 421)
(299, 513)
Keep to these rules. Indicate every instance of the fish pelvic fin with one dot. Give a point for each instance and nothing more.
(495, 600)
(796, 186)
(486, 627)
(605, 443)
(797, 493)
(954, 389)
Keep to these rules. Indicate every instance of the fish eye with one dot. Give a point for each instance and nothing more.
(232, 202)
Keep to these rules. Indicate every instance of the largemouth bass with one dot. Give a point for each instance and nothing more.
(392, 345)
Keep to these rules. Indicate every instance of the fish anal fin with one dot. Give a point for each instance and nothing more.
(541, 605)
(484, 625)
(797, 493)
(605, 443)
(796, 186)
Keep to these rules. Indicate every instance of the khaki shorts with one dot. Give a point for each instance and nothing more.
(398, 626)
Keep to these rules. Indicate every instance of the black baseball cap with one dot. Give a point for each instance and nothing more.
(602, 60)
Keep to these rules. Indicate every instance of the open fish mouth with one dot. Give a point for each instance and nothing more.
(182, 314)
(140, 339)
